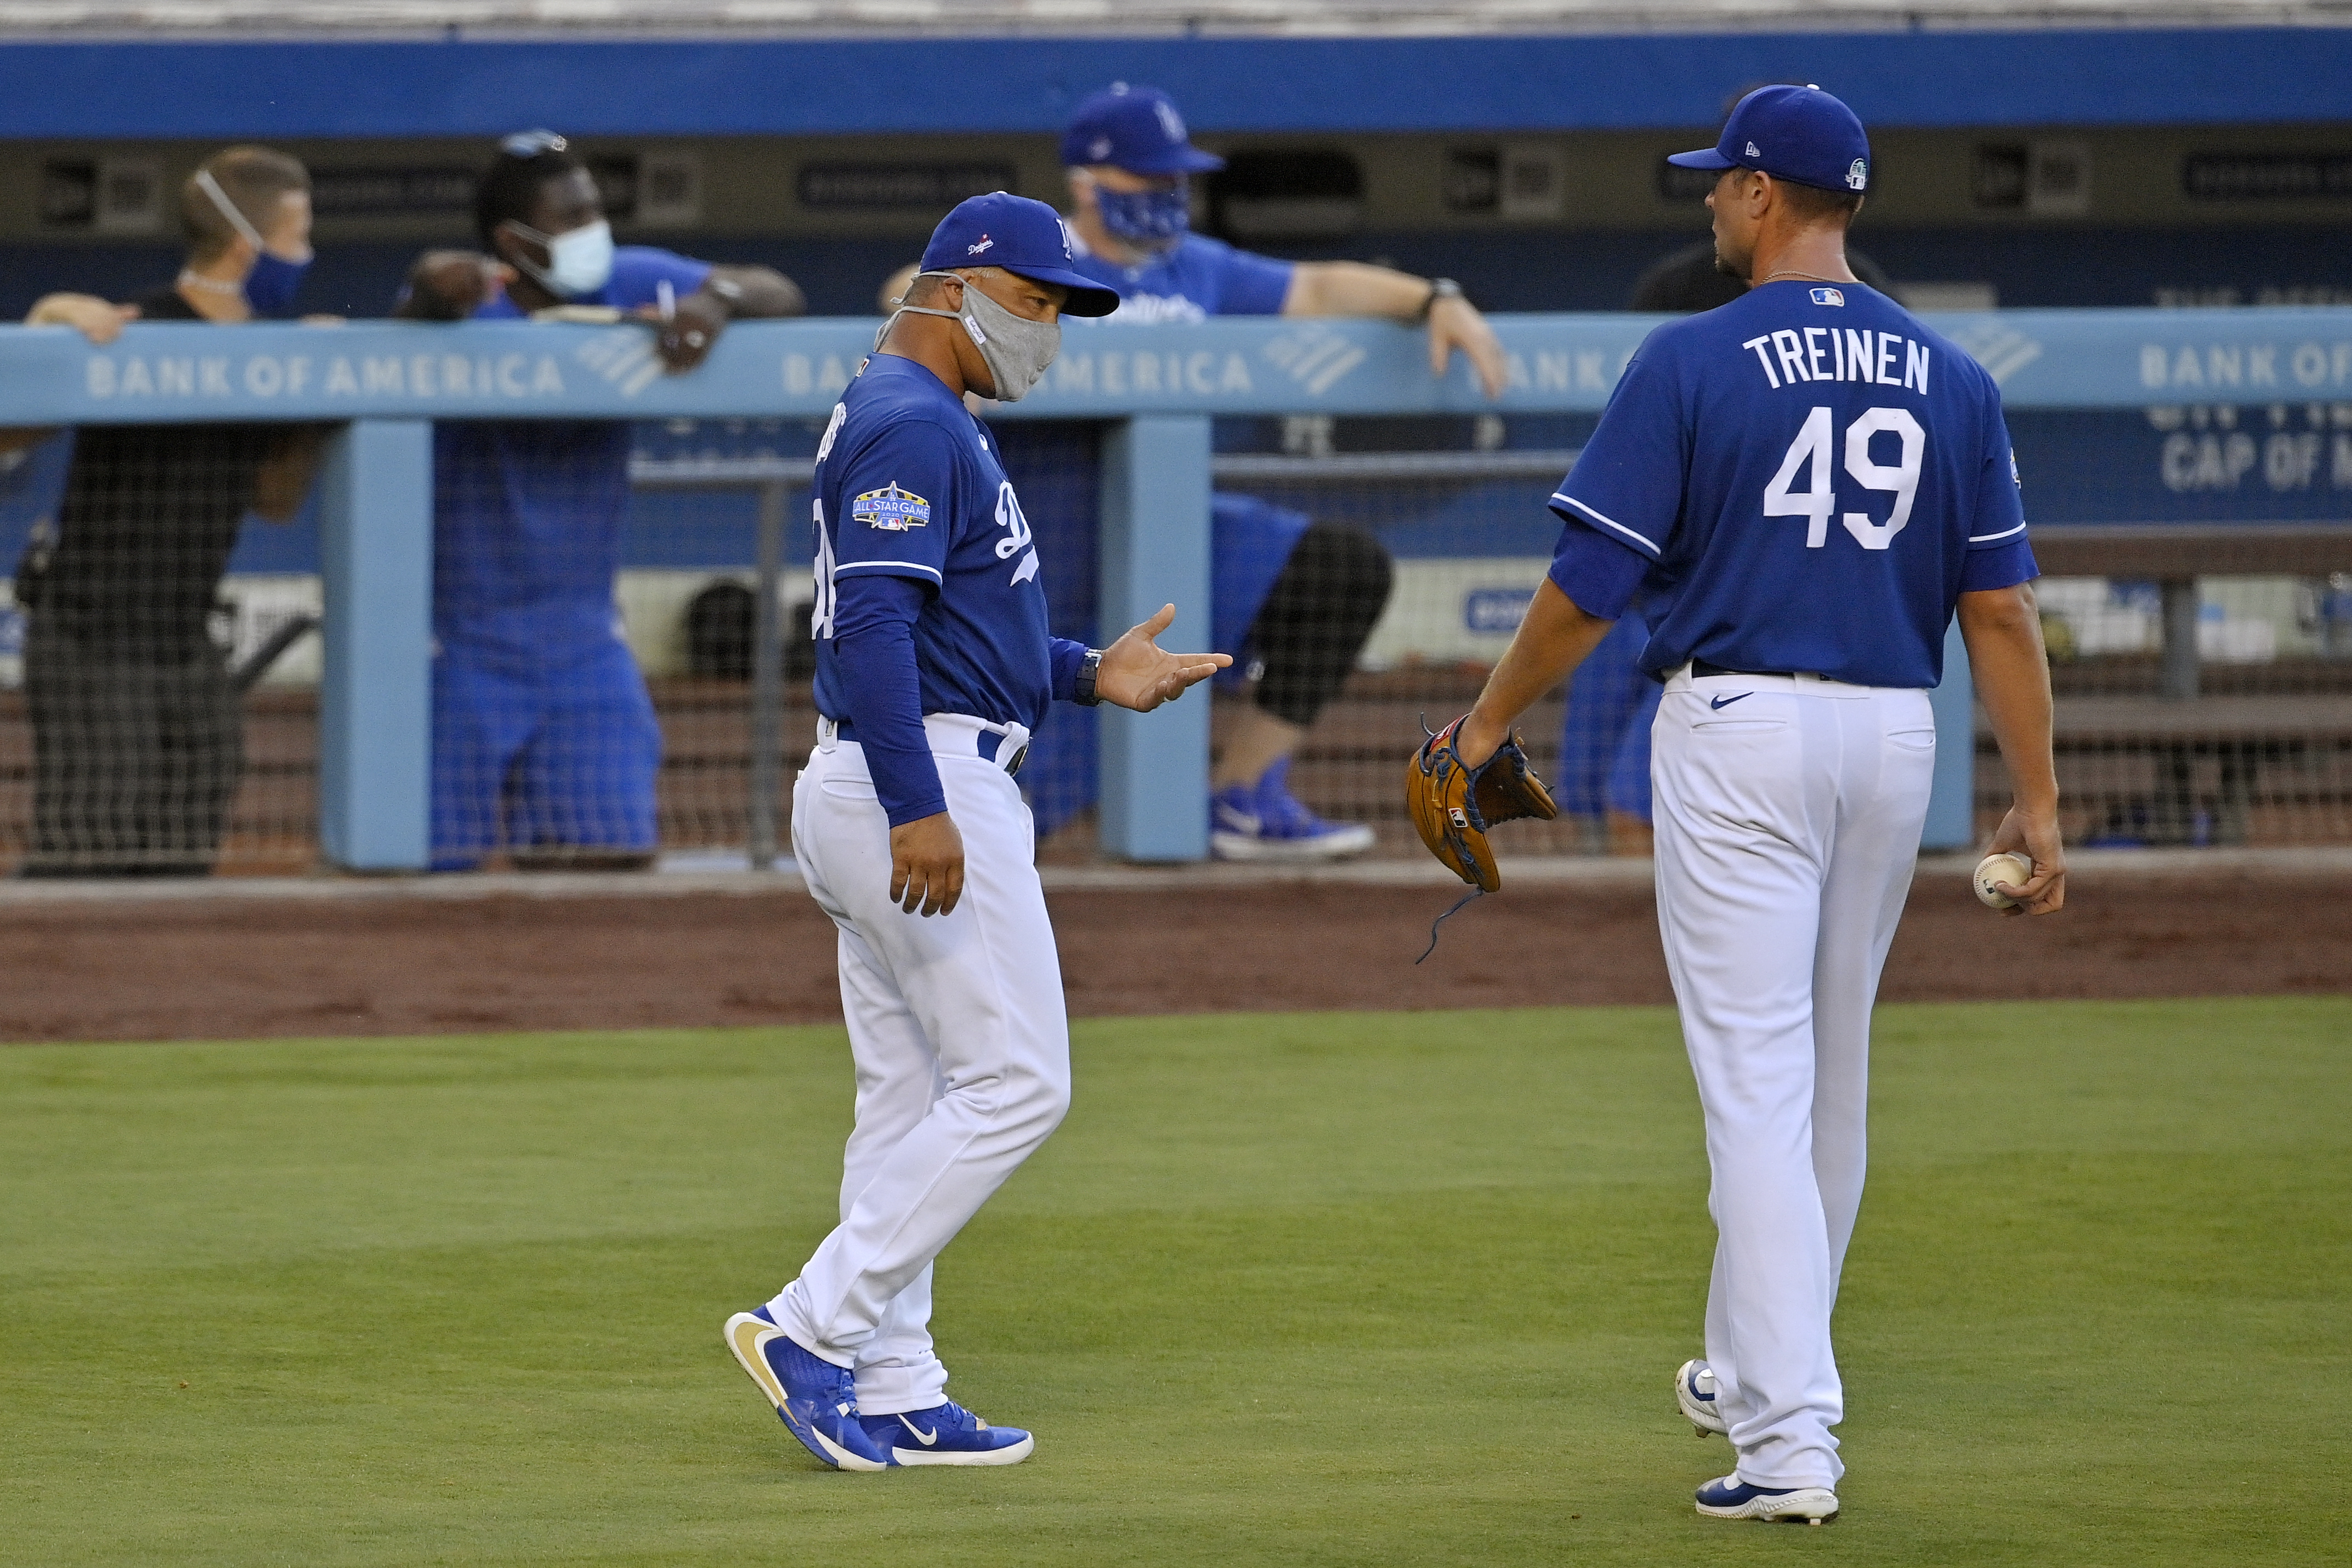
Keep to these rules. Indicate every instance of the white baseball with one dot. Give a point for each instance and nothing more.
(2011, 869)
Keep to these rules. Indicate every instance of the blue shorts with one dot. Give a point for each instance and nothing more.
(562, 754)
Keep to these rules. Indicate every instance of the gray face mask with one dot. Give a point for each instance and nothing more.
(1015, 349)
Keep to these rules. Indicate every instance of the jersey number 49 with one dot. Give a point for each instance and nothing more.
(1810, 451)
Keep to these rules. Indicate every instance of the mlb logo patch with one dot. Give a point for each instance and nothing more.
(1828, 296)
(890, 509)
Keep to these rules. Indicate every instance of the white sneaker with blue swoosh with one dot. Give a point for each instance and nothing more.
(1695, 1391)
(947, 1434)
(1729, 1497)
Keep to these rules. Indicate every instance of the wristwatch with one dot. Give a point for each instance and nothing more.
(1089, 671)
(1439, 288)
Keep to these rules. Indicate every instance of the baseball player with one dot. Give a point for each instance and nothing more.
(933, 666)
(1804, 485)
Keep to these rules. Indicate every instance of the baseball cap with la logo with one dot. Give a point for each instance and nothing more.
(1021, 235)
(1799, 134)
(1136, 129)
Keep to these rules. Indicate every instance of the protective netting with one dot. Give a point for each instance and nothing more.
(595, 697)
(160, 718)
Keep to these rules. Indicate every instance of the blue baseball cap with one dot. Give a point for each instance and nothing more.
(1020, 236)
(1799, 134)
(1136, 129)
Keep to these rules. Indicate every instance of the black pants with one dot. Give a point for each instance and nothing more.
(135, 759)
(1316, 619)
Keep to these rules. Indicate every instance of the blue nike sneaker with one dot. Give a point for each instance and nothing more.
(1729, 1497)
(816, 1400)
(947, 1434)
(1265, 821)
(1695, 1391)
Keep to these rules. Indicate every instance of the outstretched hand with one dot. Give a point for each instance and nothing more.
(1137, 674)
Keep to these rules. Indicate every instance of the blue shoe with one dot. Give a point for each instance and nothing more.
(947, 1434)
(1731, 1498)
(1695, 1391)
(1266, 822)
(817, 1400)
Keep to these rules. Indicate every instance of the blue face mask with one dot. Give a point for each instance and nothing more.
(1148, 220)
(271, 286)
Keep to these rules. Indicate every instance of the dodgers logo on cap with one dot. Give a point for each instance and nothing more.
(1025, 237)
(1136, 129)
(1799, 134)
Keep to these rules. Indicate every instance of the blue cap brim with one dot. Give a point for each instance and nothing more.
(1184, 160)
(1087, 297)
(1705, 158)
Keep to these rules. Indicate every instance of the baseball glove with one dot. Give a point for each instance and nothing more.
(1455, 807)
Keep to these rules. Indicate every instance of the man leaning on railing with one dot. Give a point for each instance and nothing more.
(544, 739)
(138, 734)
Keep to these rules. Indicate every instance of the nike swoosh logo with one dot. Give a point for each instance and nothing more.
(1727, 702)
(925, 1438)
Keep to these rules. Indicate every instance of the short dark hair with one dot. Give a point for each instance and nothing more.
(1816, 201)
(510, 186)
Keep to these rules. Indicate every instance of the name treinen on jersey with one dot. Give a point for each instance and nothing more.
(1839, 354)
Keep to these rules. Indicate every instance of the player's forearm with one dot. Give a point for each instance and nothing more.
(1552, 640)
(1355, 289)
(755, 292)
(2003, 630)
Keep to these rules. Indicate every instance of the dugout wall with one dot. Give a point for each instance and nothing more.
(2203, 640)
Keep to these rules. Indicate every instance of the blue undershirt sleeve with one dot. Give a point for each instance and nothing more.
(873, 647)
(1066, 657)
(1597, 572)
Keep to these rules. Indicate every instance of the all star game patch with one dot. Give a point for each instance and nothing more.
(890, 509)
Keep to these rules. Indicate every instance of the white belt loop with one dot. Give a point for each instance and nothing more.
(961, 735)
(828, 733)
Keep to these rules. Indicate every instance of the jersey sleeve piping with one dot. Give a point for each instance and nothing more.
(1988, 538)
(891, 568)
(1607, 522)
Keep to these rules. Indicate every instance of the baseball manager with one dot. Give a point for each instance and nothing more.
(933, 667)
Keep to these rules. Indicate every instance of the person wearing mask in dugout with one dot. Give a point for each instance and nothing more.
(1292, 600)
(544, 740)
(137, 731)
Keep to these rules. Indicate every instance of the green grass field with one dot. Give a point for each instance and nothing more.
(1315, 1288)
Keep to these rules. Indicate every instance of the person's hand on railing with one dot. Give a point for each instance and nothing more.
(1456, 323)
(450, 285)
(101, 321)
(685, 335)
(1136, 672)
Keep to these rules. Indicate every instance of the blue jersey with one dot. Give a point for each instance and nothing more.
(527, 514)
(1811, 477)
(1198, 279)
(908, 485)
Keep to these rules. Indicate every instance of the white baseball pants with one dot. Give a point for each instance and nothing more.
(1788, 823)
(962, 1047)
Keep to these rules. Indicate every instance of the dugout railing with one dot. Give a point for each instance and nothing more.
(2163, 450)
